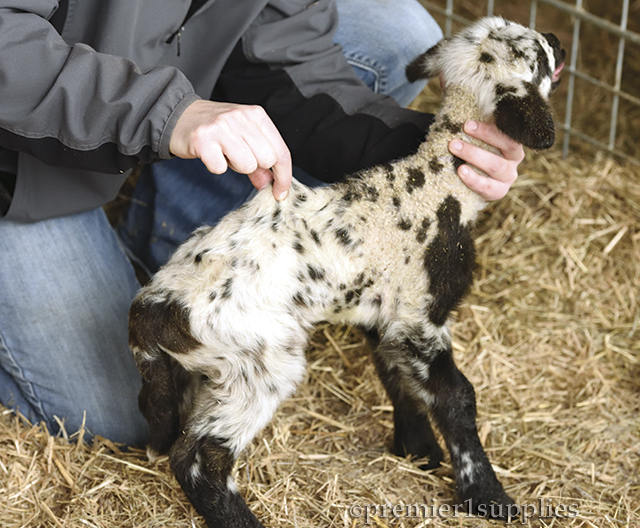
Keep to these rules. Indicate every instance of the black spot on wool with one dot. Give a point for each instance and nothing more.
(275, 219)
(448, 125)
(161, 325)
(315, 236)
(487, 58)
(517, 52)
(315, 274)
(226, 291)
(421, 235)
(298, 247)
(299, 300)
(343, 237)
(449, 261)
(415, 179)
(388, 169)
(198, 257)
(435, 166)
(351, 196)
(457, 162)
(371, 193)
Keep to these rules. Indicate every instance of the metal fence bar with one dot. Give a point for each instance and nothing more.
(618, 81)
(623, 95)
(602, 146)
(450, 16)
(572, 82)
(533, 12)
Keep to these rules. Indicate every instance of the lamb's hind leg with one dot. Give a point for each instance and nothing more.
(235, 401)
(421, 363)
(203, 465)
(153, 328)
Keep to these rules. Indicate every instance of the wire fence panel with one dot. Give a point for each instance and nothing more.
(601, 97)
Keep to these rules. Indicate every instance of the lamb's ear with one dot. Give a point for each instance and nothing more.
(526, 119)
(423, 66)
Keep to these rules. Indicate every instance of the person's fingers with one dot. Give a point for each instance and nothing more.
(214, 159)
(282, 167)
(501, 168)
(489, 188)
(241, 137)
(261, 178)
(510, 149)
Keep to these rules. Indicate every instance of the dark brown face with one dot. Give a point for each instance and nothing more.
(559, 55)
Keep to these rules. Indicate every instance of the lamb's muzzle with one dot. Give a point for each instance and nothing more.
(219, 333)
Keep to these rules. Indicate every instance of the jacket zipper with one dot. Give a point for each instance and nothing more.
(193, 8)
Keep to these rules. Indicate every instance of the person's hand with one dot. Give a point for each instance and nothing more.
(501, 169)
(240, 137)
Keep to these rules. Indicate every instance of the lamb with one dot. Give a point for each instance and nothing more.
(220, 332)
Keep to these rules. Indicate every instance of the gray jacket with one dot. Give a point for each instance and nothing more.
(91, 88)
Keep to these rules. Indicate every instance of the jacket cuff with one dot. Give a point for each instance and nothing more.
(165, 137)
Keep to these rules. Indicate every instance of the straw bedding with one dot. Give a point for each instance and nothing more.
(550, 338)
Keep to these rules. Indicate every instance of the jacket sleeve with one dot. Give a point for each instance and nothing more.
(332, 122)
(71, 106)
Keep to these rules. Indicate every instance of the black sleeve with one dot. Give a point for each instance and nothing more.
(325, 140)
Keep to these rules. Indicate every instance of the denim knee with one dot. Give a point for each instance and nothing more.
(381, 43)
(66, 290)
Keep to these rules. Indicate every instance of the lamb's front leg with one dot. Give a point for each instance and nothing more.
(454, 410)
(418, 365)
(412, 432)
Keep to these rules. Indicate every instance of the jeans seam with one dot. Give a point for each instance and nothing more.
(16, 372)
(376, 69)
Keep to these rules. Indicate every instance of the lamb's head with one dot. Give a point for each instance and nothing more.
(511, 69)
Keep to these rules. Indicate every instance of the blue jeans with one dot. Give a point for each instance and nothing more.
(66, 283)
(66, 286)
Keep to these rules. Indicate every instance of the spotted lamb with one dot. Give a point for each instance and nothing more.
(219, 334)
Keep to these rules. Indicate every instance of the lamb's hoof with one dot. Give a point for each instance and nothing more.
(489, 502)
(432, 455)
(434, 462)
(152, 455)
